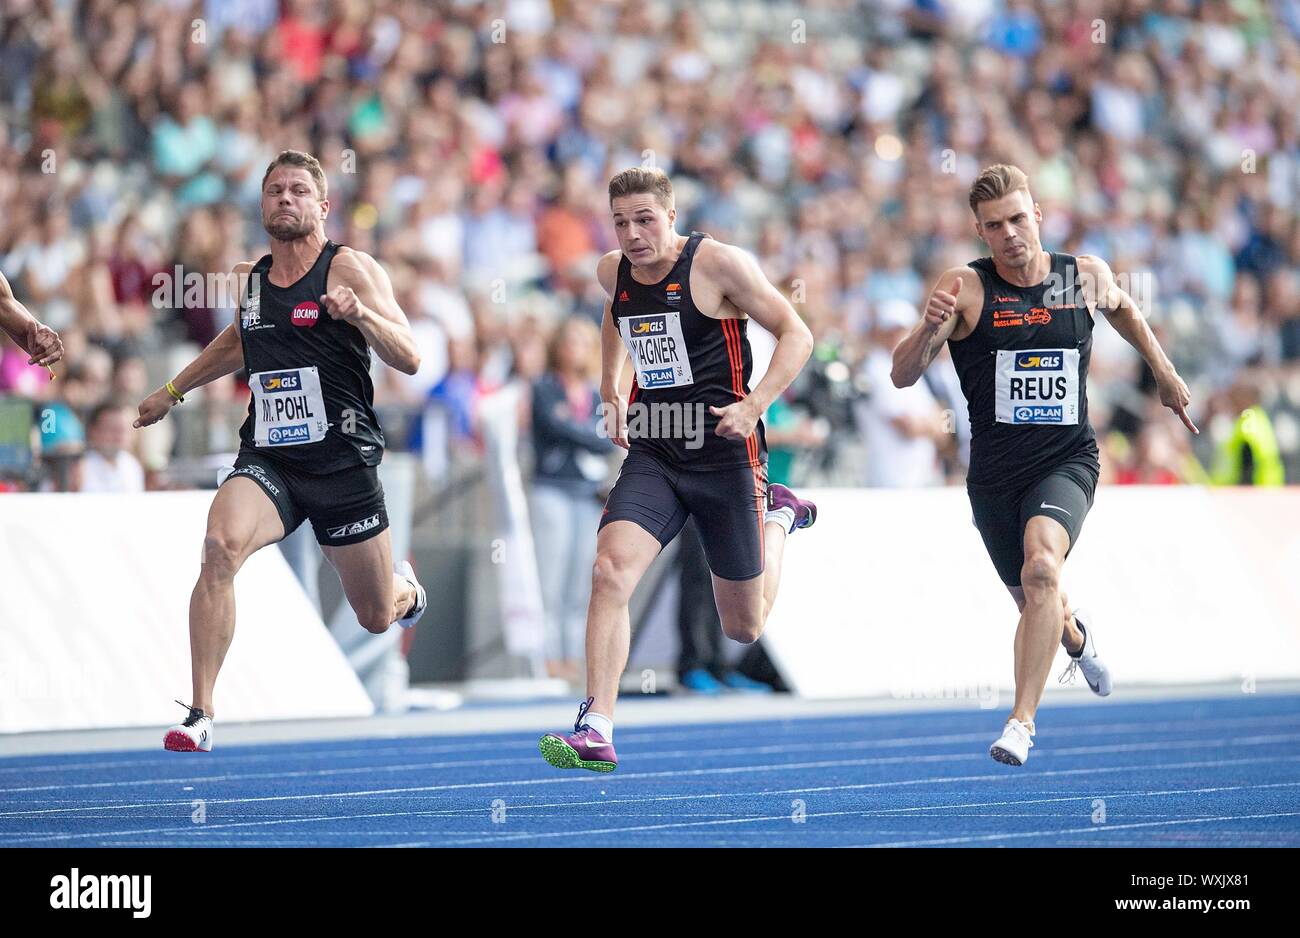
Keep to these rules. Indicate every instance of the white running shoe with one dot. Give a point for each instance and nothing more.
(407, 572)
(194, 735)
(1014, 744)
(1094, 672)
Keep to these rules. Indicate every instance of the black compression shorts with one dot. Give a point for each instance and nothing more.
(727, 505)
(344, 507)
(1065, 495)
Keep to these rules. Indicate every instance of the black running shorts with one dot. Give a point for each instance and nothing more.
(345, 507)
(1065, 494)
(727, 505)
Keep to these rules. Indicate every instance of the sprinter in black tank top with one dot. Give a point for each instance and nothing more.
(310, 312)
(693, 429)
(1019, 326)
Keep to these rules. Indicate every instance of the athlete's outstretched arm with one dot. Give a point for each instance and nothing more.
(223, 355)
(39, 341)
(362, 295)
(1122, 312)
(943, 314)
(743, 282)
(613, 355)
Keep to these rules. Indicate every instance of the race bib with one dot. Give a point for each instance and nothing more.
(1038, 386)
(658, 350)
(289, 407)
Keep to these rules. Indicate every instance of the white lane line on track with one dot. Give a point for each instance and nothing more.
(785, 818)
(1001, 776)
(587, 779)
(634, 736)
(670, 754)
(1090, 829)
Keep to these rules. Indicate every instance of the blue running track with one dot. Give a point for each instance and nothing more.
(1217, 772)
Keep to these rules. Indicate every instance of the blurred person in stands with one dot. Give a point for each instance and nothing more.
(903, 427)
(108, 466)
(570, 463)
(1249, 455)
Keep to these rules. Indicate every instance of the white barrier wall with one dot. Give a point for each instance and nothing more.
(94, 600)
(891, 593)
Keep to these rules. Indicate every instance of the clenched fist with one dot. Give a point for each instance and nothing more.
(43, 344)
(941, 306)
(154, 408)
(341, 303)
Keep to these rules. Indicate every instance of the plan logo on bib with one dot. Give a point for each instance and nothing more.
(294, 433)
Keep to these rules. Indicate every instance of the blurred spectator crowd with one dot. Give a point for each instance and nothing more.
(468, 146)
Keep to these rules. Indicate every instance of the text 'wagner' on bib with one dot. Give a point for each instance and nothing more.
(658, 350)
(1038, 386)
(289, 406)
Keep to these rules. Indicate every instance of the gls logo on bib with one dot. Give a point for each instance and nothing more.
(1037, 386)
(280, 381)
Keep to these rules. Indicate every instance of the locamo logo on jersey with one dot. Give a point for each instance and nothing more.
(673, 293)
(281, 381)
(1039, 316)
(356, 527)
(647, 325)
(294, 433)
(1038, 361)
(305, 315)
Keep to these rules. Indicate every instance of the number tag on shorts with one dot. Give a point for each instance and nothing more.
(658, 350)
(289, 407)
(1038, 386)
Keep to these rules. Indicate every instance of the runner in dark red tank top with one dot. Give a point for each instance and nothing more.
(678, 308)
(1019, 326)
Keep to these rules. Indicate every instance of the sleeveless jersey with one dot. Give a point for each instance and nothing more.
(309, 374)
(1024, 371)
(684, 362)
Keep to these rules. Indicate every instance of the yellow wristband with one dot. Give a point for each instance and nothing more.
(176, 395)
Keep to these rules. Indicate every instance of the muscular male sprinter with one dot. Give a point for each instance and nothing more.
(1019, 325)
(310, 312)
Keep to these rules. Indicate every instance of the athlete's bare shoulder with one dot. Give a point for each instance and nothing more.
(1096, 280)
(714, 257)
(607, 270)
(349, 260)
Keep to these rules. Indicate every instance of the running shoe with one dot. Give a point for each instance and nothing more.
(193, 735)
(584, 748)
(1086, 661)
(805, 512)
(407, 572)
(1014, 744)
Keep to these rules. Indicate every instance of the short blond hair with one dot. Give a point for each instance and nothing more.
(304, 161)
(996, 181)
(639, 181)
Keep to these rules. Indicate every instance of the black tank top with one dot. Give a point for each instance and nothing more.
(1024, 371)
(309, 373)
(684, 362)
